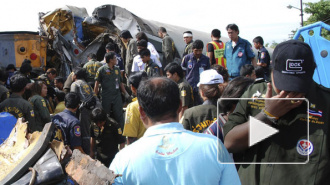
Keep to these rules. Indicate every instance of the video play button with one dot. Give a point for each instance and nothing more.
(259, 131)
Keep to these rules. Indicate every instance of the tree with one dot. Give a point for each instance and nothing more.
(274, 44)
(319, 12)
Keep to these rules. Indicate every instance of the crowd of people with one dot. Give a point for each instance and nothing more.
(183, 122)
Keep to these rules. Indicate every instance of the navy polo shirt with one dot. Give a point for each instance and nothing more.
(69, 125)
(193, 67)
(238, 56)
(263, 57)
(120, 64)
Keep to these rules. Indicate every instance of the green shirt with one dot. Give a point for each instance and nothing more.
(186, 93)
(4, 92)
(198, 118)
(110, 80)
(152, 69)
(286, 146)
(19, 107)
(41, 112)
(188, 49)
(91, 67)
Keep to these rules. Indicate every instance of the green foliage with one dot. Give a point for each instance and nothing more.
(274, 44)
(320, 11)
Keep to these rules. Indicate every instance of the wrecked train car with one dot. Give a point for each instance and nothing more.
(73, 34)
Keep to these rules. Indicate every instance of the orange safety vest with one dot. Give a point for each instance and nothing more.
(219, 50)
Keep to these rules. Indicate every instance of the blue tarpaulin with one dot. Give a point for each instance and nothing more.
(7, 123)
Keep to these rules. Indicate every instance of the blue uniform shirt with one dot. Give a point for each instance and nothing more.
(263, 57)
(194, 68)
(238, 56)
(120, 64)
(69, 125)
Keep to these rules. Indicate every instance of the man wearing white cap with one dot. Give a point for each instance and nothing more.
(188, 39)
(198, 118)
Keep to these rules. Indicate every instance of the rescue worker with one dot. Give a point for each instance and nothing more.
(91, 67)
(168, 47)
(167, 153)
(152, 69)
(174, 72)
(215, 49)
(4, 92)
(42, 116)
(88, 102)
(109, 78)
(131, 52)
(193, 65)
(198, 118)
(298, 152)
(105, 137)
(120, 64)
(263, 59)
(142, 36)
(138, 65)
(59, 83)
(238, 51)
(48, 78)
(15, 104)
(67, 124)
(188, 39)
(134, 128)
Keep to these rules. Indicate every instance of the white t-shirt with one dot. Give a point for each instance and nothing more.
(138, 65)
(153, 50)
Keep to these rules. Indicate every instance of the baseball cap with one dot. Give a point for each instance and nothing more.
(209, 77)
(125, 34)
(293, 66)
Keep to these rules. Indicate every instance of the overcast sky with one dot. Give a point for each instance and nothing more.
(270, 19)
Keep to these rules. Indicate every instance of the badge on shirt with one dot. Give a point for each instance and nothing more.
(97, 74)
(263, 55)
(43, 103)
(108, 71)
(32, 113)
(116, 71)
(183, 93)
(240, 54)
(317, 113)
(119, 131)
(304, 147)
(77, 131)
(96, 132)
(312, 106)
(58, 134)
(190, 64)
